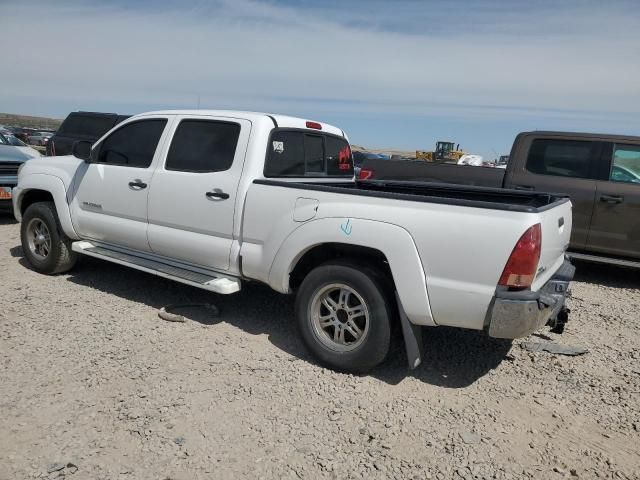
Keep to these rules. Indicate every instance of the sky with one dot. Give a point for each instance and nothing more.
(392, 74)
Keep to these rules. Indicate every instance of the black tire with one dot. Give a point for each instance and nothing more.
(60, 257)
(369, 286)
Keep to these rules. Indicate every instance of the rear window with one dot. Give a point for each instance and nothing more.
(562, 158)
(299, 153)
(87, 125)
(339, 157)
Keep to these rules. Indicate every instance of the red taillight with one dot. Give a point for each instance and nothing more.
(522, 265)
(314, 125)
(365, 174)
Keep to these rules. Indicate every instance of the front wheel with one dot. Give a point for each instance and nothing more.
(344, 317)
(45, 246)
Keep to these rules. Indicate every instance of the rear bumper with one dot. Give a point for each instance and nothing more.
(518, 314)
(6, 206)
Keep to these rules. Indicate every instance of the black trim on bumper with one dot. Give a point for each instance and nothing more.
(516, 314)
(6, 206)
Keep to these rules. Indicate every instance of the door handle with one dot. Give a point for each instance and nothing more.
(611, 198)
(220, 195)
(524, 187)
(138, 184)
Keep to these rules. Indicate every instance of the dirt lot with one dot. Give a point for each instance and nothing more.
(95, 385)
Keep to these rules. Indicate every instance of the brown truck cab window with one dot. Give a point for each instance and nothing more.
(626, 164)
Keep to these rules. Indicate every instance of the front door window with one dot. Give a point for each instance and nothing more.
(626, 164)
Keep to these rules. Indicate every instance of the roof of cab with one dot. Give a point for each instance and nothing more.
(279, 120)
(604, 136)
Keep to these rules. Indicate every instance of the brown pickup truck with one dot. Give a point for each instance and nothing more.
(601, 174)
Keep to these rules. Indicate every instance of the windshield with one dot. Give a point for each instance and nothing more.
(16, 142)
(446, 147)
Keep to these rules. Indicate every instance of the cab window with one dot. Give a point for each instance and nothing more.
(299, 153)
(132, 145)
(625, 166)
(561, 158)
(203, 146)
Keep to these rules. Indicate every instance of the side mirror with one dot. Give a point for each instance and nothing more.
(82, 150)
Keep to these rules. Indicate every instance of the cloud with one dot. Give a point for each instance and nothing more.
(460, 59)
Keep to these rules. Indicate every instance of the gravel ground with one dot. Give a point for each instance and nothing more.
(95, 385)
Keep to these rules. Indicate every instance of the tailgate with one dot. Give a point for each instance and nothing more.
(556, 231)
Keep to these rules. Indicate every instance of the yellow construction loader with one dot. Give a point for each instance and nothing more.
(444, 152)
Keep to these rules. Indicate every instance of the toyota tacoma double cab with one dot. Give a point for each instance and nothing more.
(214, 199)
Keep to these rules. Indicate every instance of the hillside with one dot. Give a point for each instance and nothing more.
(13, 120)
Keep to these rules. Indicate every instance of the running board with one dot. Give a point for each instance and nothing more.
(609, 261)
(213, 282)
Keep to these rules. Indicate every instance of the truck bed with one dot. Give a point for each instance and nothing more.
(447, 229)
(419, 170)
(463, 195)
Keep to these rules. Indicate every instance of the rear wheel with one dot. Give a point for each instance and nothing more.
(344, 317)
(45, 246)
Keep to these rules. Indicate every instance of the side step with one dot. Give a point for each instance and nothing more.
(609, 261)
(208, 281)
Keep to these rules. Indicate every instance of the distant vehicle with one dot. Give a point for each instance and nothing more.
(468, 159)
(16, 142)
(23, 133)
(601, 174)
(11, 157)
(40, 138)
(502, 161)
(444, 152)
(87, 126)
(11, 141)
(360, 156)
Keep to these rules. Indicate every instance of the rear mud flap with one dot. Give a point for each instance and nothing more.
(412, 338)
(558, 322)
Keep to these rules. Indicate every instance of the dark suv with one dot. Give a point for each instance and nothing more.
(88, 126)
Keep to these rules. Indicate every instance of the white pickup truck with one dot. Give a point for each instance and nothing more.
(213, 199)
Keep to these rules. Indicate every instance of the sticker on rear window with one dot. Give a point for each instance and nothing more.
(344, 157)
(278, 147)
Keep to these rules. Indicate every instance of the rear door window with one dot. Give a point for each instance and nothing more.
(562, 158)
(132, 145)
(203, 146)
(298, 153)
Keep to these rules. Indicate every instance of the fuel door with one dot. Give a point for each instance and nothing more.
(305, 209)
